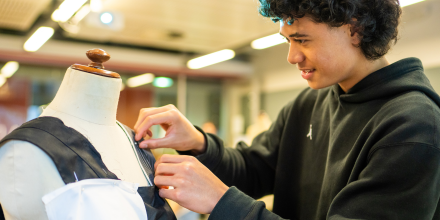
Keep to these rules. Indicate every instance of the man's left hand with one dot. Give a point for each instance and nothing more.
(195, 187)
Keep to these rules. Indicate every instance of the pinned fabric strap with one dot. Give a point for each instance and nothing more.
(145, 157)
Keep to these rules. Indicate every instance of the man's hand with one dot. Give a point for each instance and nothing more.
(180, 133)
(195, 186)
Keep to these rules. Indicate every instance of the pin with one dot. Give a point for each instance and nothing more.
(75, 176)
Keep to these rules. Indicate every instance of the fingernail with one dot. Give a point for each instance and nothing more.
(144, 145)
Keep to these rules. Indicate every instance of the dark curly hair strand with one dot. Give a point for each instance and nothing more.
(375, 21)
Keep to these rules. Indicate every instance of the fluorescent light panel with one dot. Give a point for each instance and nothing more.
(84, 11)
(404, 3)
(9, 69)
(38, 39)
(2, 80)
(140, 80)
(268, 41)
(96, 5)
(211, 59)
(67, 9)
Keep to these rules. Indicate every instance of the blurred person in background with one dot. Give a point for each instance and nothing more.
(209, 127)
(360, 143)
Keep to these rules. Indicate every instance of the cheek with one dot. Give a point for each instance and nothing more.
(336, 57)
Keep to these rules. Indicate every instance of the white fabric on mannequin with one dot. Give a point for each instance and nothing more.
(95, 199)
(88, 104)
(27, 174)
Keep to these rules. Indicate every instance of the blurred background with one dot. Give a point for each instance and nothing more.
(235, 91)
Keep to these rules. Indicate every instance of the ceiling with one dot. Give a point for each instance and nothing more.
(20, 15)
(177, 25)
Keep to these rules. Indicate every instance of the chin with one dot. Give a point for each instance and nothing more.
(317, 85)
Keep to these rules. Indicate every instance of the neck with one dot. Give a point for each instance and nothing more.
(89, 97)
(364, 68)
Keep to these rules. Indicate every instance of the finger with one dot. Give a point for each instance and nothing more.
(164, 181)
(164, 169)
(167, 158)
(145, 112)
(164, 142)
(142, 115)
(156, 119)
(168, 193)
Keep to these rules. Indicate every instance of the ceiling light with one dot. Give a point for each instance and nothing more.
(67, 9)
(9, 69)
(210, 59)
(163, 82)
(404, 3)
(38, 39)
(96, 5)
(2, 80)
(84, 11)
(106, 18)
(140, 80)
(268, 41)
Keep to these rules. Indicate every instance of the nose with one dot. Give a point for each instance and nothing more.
(295, 54)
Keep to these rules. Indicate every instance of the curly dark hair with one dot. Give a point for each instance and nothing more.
(375, 21)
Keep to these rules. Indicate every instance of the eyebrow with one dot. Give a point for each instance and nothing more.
(296, 35)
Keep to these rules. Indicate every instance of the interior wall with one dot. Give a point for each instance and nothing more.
(433, 75)
(203, 102)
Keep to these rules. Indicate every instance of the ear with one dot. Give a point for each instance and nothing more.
(354, 32)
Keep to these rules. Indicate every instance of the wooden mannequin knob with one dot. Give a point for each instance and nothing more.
(97, 56)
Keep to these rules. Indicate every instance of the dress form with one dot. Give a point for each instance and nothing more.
(86, 102)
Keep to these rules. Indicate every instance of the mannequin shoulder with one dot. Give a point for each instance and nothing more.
(27, 174)
(25, 160)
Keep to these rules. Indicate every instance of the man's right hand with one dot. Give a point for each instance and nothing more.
(180, 133)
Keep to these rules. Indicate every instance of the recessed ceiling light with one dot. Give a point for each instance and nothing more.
(106, 18)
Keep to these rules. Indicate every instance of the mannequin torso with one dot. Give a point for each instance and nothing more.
(87, 103)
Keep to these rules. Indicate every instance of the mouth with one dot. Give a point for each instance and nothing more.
(307, 73)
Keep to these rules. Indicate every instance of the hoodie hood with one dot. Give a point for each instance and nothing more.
(400, 77)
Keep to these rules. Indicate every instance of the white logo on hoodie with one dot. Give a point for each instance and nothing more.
(310, 132)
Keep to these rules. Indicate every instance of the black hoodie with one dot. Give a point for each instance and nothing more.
(370, 153)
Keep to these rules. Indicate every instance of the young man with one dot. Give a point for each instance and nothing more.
(361, 143)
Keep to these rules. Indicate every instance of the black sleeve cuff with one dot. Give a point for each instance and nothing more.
(212, 155)
(234, 205)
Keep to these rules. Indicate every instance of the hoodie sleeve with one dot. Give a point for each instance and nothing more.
(250, 169)
(400, 182)
(235, 205)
